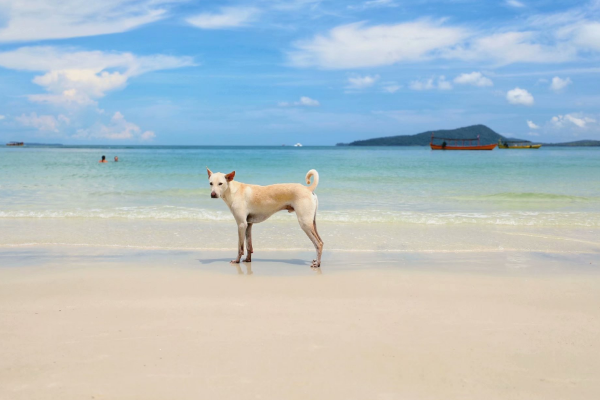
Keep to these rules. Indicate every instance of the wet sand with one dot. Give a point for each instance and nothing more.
(83, 323)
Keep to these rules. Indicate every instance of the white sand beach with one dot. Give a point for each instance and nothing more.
(102, 324)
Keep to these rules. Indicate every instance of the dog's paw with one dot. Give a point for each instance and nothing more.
(315, 264)
(247, 260)
(235, 261)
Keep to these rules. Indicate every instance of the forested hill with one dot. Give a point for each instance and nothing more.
(579, 143)
(487, 136)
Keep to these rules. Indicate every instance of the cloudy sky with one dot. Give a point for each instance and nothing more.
(275, 71)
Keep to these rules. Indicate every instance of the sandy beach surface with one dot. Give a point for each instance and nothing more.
(84, 323)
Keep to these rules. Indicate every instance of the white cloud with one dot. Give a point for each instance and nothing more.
(519, 96)
(422, 85)
(75, 77)
(443, 84)
(357, 45)
(59, 19)
(44, 123)
(118, 129)
(392, 88)
(362, 82)
(373, 4)
(575, 119)
(78, 86)
(533, 134)
(380, 3)
(147, 135)
(514, 3)
(532, 125)
(582, 33)
(294, 5)
(2, 117)
(307, 101)
(51, 58)
(428, 84)
(360, 45)
(474, 78)
(304, 101)
(512, 47)
(229, 17)
(559, 84)
(576, 28)
(557, 19)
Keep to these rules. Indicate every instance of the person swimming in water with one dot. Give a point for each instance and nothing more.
(103, 160)
(116, 159)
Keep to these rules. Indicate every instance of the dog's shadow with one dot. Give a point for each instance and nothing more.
(293, 261)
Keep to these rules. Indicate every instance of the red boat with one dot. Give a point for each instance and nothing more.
(460, 144)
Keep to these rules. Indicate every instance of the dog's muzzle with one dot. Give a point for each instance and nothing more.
(214, 195)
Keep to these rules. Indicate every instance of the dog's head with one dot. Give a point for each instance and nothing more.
(219, 182)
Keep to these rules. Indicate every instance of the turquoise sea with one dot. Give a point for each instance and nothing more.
(365, 194)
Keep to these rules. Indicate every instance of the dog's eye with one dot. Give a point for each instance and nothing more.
(220, 183)
(211, 184)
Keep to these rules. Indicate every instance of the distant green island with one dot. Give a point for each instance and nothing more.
(38, 144)
(578, 143)
(486, 136)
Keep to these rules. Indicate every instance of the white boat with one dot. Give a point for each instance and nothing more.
(298, 145)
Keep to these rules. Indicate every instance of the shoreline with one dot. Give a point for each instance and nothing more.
(493, 262)
(292, 249)
(286, 236)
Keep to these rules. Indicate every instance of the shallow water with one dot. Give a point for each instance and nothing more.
(380, 189)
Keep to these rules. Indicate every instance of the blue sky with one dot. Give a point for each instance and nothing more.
(274, 72)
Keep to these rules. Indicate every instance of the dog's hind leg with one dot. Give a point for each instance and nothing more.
(242, 226)
(315, 229)
(309, 227)
(315, 220)
(320, 247)
(249, 249)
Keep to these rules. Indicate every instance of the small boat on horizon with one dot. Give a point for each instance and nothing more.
(517, 144)
(14, 144)
(460, 144)
(298, 145)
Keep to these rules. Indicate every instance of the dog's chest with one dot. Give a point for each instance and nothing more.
(256, 218)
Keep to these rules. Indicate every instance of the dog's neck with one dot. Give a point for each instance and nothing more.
(232, 188)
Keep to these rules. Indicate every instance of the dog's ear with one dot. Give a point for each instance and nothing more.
(209, 172)
(230, 176)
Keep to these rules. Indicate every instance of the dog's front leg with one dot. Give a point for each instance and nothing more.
(242, 226)
(249, 244)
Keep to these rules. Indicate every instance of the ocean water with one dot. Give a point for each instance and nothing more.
(369, 198)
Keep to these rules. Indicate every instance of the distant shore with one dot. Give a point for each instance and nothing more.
(582, 143)
(480, 133)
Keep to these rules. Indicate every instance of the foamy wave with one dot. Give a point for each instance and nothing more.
(581, 219)
(522, 197)
(494, 218)
(160, 213)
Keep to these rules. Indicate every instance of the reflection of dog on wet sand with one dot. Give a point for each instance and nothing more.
(250, 272)
(251, 204)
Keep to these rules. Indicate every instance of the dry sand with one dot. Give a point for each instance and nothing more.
(121, 330)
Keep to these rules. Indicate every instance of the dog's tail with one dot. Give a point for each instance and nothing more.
(315, 176)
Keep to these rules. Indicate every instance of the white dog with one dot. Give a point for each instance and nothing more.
(251, 204)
